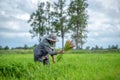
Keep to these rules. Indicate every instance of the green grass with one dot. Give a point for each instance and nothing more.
(71, 67)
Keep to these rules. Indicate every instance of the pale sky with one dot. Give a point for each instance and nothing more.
(103, 23)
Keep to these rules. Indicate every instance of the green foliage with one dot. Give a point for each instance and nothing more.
(4, 48)
(25, 46)
(37, 21)
(113, 47)
(71, 67)
(60, 21)
(78, 21)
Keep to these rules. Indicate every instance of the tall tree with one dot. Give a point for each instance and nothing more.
(37, 21)
(60, 19)
(78, 21)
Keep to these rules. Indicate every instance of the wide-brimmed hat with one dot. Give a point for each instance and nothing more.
(52, 37)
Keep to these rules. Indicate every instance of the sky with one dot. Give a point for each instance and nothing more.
(103, 23)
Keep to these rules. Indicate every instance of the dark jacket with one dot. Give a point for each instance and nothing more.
(42, 50)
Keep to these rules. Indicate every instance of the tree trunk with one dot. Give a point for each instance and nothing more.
(62, 40)
(39, 38)
(39, 33)
(62, 43)
(77, 27)
(77, 38)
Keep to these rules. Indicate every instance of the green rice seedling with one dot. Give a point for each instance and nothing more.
(68, 45)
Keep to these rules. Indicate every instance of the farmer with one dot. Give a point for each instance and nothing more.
(46, 47)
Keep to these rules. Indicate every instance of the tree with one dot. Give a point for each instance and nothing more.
(92, 48)
(6, 48)
(60, 19)
(25, 46)
(37, 21)
(0, 47)
(88, 48)
(96, 47)
(114, 47)
(101, 48)
(109, 47)
(78, 21)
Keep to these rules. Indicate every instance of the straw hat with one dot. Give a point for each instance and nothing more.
(52, 37)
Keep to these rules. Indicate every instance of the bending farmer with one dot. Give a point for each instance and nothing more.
(46, 47)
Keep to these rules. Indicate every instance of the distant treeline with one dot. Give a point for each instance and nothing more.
(101, 48)
(4, 48)
(24, 47)
(87, 48)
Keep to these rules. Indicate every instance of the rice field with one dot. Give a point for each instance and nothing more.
(92, 65)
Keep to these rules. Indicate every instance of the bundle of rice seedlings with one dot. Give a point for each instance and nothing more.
(68, 45)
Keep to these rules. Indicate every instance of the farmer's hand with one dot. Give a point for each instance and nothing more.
(54, 62)
(61, 52)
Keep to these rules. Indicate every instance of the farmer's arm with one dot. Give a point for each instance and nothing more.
(51, 52)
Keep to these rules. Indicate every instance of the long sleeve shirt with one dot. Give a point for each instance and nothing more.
(43, 49)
